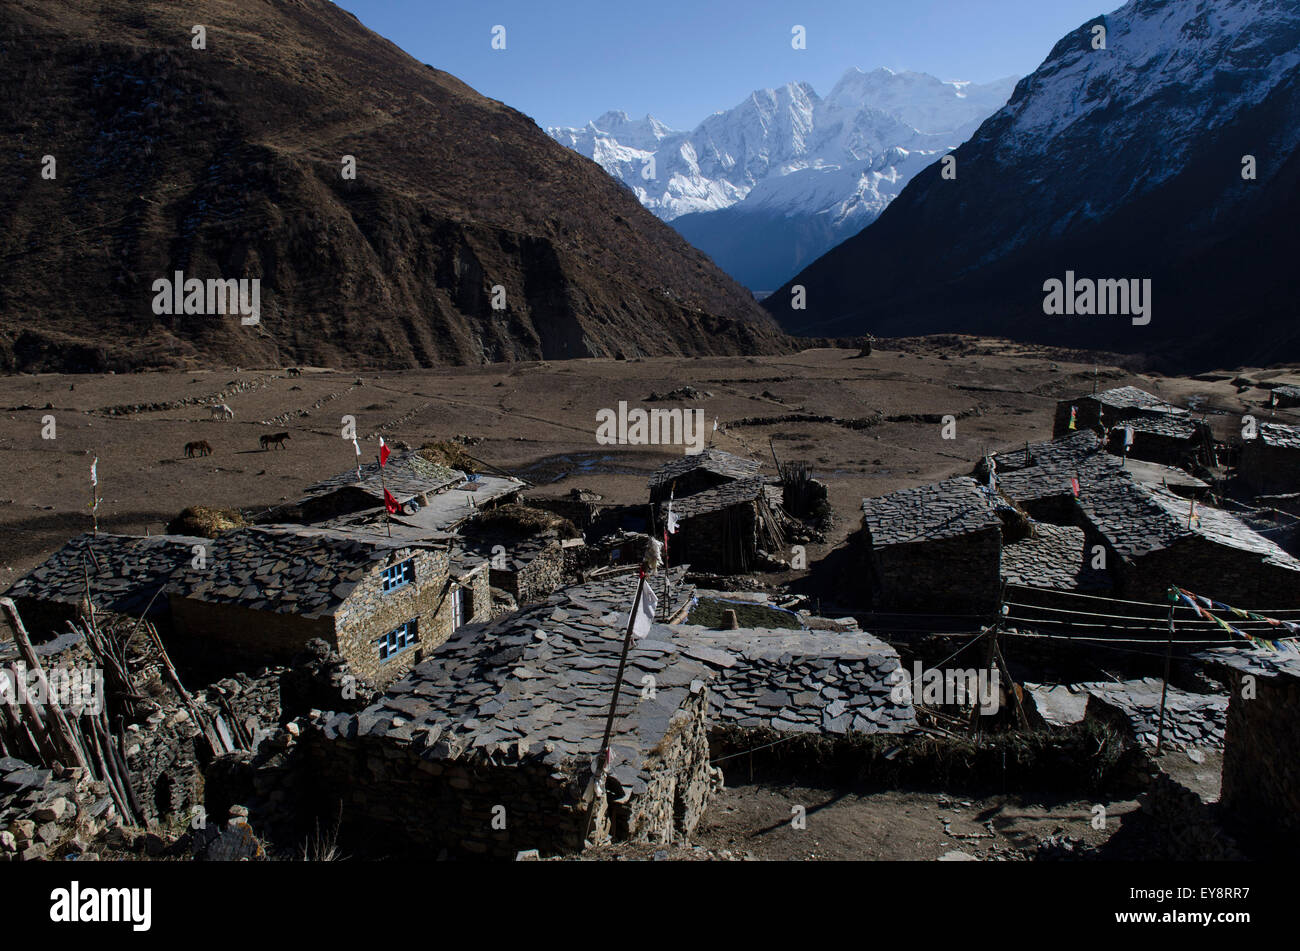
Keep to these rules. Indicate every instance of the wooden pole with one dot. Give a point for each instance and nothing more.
(1169, 652)
(618, 684)
(61, 731)
(388, 519)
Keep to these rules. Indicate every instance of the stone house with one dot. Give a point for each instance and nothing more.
(699, 472)
(1110, 407)
(125, 574)
(1261, 758)
(932, 549)
(1288, 396)
(1153, 542)
(1270, 463)
(486, 748)
(266, 592)
(724, 529)
(433, 497)
(1170, 440)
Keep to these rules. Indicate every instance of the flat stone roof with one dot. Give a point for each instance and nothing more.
(287, 569)
(1055, 557)
(124, 571)
(800, 681)
(711, 460)
(929, 512)
(1192, 720)
(1279, 435)
(1172, 426)
(406, 476)
(721, 497)
(1132, 397)
(1224, 528)
(1252, 660)
(535, 687)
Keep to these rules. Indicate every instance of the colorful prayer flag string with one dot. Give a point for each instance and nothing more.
(1203, 606)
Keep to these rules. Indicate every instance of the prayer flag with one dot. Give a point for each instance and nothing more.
(645, 612)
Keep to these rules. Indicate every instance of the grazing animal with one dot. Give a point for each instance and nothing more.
(274, 439)
(294, 371)
(198, 448)
(222, 411)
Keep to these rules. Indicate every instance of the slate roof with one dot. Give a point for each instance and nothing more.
(1279, 436)
(800, 681)
(1174, 427)
(1054, 556)
(1223, 527)
(1192, 720)
(536, 686)
(1250, 660)
(406, 475)
(1132, 397)
(711, 460)
(714, 500)
(287, 569)
(125, 571)
(930, 512)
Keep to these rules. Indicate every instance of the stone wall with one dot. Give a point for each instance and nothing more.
(369, 613)
(48, 814)
(722, 541)
(1261, 760)
(1231, 575)
(1269, 469)
(949, 575)
(231, 635)
(398, 799)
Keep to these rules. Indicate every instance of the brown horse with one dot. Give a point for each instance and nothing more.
(198, 448)
(274, 439)
(294, 371)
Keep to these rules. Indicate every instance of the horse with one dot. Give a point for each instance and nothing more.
(222, 411)
(294, 371)
(197, 448)
(274, 439)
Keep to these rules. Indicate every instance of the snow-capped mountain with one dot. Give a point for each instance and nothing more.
(789, 158)
(1159, 141)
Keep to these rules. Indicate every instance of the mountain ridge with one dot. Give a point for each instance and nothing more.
(225, 163)
(1122, 163)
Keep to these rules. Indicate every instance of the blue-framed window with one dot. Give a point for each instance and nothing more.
(395, 576)
(398, 640)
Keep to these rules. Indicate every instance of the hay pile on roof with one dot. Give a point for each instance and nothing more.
(446, 453)
(524, 521)
(205, 521)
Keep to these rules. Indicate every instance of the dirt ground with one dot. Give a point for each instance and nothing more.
(537, 420)
(757, 822)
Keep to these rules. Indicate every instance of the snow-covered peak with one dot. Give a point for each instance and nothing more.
(774, 133)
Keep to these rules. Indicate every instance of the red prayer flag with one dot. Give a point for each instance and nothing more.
(384, 452)
(390, 503)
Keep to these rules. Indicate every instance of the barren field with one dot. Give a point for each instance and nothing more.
(536, 420)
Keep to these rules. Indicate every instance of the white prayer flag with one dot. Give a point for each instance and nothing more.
(645, 612)
(1128, 436)
(715, 424)
(672, 516)
(94, 471)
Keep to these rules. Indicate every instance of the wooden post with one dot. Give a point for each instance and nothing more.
(61, 731)
(613, 703)
(1169, 652)
(383, 485)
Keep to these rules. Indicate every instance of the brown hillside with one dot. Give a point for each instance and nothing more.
(226, 162)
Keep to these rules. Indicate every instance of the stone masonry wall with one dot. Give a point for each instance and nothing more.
(1261, 759)
(1236, 577)
(370, 612)
(956, 575)
(398, 800)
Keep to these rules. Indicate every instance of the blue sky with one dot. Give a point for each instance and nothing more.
(567, 61)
